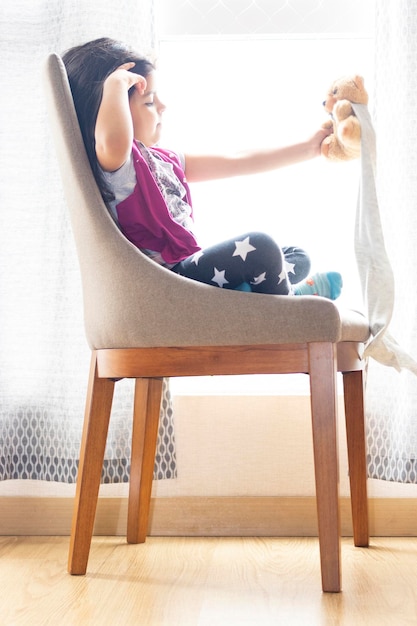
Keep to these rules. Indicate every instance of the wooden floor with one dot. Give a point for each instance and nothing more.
(205, 582)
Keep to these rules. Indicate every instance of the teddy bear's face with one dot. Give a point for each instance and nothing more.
(346, 88)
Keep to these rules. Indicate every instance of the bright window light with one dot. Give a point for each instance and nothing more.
(231, 94)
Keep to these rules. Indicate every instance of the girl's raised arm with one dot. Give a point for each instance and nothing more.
(114, 127)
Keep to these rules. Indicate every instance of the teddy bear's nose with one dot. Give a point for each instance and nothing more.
(324, 103)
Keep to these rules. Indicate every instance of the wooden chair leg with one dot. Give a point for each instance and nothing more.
(322, 358)
(93, 444)
(355, 431)
(148, 393)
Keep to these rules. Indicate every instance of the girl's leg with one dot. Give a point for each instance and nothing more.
(297, 263)
(257, 260)
(253, 258)
(327, 284)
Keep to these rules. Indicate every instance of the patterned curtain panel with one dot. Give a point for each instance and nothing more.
(44, 358)
(392, 396)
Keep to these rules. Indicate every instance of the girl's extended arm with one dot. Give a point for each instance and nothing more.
(114, 128)
(209, 167)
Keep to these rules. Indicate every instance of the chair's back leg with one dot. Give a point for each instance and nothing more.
(93, 444)
(355, 431)
(147, 406)
(322, 360)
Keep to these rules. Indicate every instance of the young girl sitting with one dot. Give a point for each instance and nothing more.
(146, 186)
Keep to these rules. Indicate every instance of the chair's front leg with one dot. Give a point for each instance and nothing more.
(148, 393)
(93, 444)
(322, 359)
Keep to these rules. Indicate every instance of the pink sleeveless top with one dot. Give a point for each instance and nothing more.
(144, 216)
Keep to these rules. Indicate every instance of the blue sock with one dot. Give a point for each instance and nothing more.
(325, 284)
(244, 287)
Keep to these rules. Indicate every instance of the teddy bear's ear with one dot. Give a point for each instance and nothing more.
(359, 82)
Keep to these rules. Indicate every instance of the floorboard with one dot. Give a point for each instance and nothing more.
(206, 582)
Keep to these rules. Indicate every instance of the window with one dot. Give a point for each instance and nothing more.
(243, 74)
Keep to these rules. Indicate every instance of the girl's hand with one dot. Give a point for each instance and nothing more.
(129, 79)
(317, 139)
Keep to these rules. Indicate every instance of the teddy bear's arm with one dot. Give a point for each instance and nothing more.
(342, 109)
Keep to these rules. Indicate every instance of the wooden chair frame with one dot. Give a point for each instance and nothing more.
(148, 366)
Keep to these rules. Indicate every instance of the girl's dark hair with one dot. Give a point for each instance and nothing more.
(88, 66)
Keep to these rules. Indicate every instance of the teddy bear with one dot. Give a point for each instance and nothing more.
(345, 141)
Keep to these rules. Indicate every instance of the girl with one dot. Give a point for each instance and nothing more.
(146, 186)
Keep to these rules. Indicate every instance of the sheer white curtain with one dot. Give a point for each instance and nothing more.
(392, 396)
(44, 358)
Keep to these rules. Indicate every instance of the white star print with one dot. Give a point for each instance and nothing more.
(289, 267)
(258, 279)
(197, 256)
(282, 277)
(243, 248)
(219, 278)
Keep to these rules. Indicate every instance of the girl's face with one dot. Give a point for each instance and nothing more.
(146, 110)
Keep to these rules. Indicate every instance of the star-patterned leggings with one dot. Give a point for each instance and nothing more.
(253, 258)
